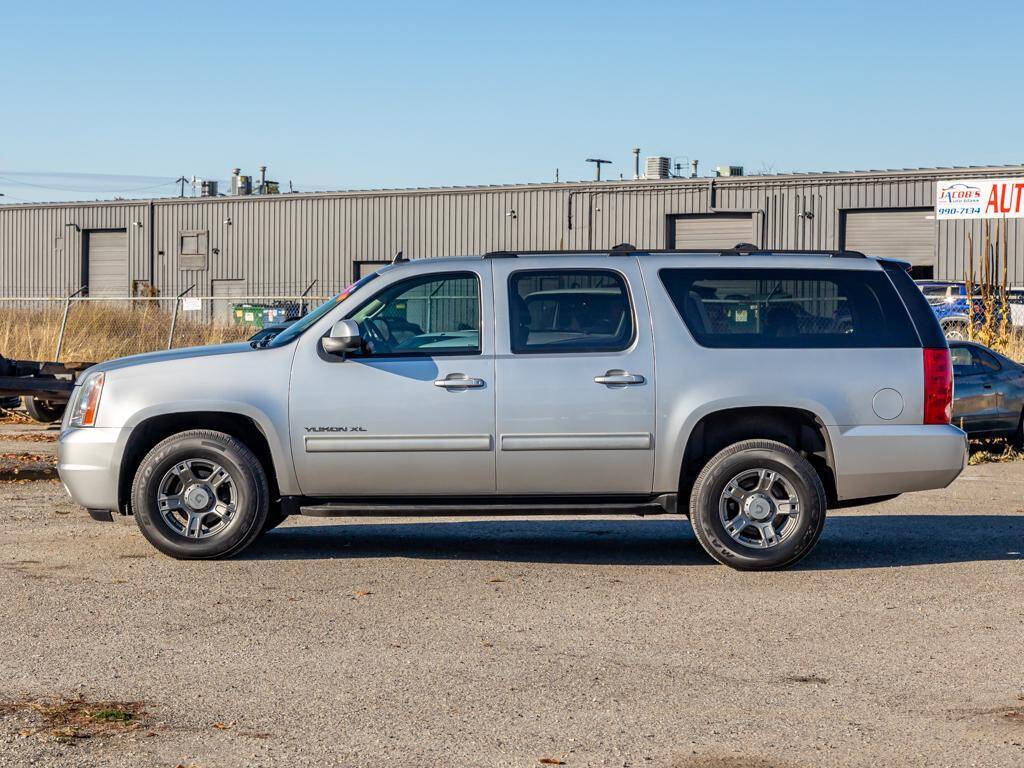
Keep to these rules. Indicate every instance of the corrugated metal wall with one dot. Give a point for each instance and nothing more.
(281, 244)
(41, 246)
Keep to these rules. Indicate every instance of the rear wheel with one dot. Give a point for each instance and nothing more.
(956, 331)
(758, 505)
(43, 411)
(200, 494)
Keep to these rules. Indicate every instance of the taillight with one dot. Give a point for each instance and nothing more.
(938, 386)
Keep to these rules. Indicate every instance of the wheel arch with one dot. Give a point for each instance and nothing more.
(250, 429)
(799, 427)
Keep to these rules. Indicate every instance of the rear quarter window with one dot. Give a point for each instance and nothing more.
(789, 308)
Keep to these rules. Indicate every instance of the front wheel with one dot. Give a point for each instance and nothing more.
(199, 495)
(758, 505)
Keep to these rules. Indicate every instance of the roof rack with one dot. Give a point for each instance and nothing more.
(625, 249)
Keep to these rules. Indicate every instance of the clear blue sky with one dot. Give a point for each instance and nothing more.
(386, 94)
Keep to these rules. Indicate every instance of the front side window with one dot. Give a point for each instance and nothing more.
(569, 310)
(790, 308)
(426, 315)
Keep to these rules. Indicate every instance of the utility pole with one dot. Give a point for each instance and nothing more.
(182, 181)
(597, 166)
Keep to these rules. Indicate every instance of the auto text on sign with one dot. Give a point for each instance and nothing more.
(979, 199)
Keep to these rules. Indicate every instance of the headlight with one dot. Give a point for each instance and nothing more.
(88, 402)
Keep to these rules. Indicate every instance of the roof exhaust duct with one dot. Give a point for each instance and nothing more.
(240, 185)
(657, 168)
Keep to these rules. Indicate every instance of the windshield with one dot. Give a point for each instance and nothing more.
(936, 294)
(299, 327)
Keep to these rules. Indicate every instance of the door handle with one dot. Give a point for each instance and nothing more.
(619, 378)
(986, 386)
(458, 381)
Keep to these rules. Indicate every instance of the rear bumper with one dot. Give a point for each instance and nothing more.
(887, 459)
(88, 461)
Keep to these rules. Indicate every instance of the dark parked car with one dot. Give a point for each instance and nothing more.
(988, 391)
(263, 336)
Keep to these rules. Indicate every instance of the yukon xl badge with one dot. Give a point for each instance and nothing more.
(335, 429)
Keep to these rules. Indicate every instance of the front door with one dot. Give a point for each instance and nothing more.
(414, 412)
(575, 377)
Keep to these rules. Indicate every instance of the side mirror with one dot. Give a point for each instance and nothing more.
(344, 337)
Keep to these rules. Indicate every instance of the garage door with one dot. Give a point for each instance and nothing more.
(107, 255)
(900, 234)
(227, 293)
(715, 231)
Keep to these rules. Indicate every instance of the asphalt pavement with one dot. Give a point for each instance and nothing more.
(510, 642)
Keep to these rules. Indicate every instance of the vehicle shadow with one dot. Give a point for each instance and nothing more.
(849, 541)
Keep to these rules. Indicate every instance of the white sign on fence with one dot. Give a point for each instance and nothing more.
(191, 304)
(979, 199)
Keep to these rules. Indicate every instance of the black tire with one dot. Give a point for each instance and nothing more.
(245, 472)
(730, 463)
(957, 330)
(43, 411)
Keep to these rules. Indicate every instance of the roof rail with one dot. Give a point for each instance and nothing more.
(740, 249)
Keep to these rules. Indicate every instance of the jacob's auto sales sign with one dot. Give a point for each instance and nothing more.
(979, 199)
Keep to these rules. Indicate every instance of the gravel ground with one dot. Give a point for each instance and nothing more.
(575, 641)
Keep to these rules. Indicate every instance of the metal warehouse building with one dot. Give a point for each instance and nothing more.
(279, 244)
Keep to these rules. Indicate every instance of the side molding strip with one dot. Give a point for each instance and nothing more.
(390, 443)
(597, 441)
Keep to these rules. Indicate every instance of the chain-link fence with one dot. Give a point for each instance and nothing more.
(96, 329)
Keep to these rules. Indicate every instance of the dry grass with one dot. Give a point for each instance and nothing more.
(992, 451)
(66, 719)
(97, 331)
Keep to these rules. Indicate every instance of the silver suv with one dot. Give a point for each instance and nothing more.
(746, 390)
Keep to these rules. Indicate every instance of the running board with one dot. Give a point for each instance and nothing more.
(664, 504)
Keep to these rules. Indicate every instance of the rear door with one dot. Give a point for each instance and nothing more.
(575, 376)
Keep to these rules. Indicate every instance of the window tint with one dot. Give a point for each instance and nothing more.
(985, 360)
(428, 315)
(790, 308)
(569, 310)
(968, 361)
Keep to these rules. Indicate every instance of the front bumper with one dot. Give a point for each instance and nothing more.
(886, 459)
(88, 462)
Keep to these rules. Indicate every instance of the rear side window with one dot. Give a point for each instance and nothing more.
(569, 310)
(927, 324)
(790, 308)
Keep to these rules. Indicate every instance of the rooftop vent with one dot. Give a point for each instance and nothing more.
(240, 185)
(729, 170)
(657, 168)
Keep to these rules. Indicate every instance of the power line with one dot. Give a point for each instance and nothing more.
(87, 188)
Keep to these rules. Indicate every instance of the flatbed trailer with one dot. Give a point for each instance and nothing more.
(44, 387)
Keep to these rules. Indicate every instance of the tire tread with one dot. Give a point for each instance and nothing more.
(801, 465)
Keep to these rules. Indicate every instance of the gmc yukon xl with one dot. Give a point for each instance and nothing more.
(746, 390)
